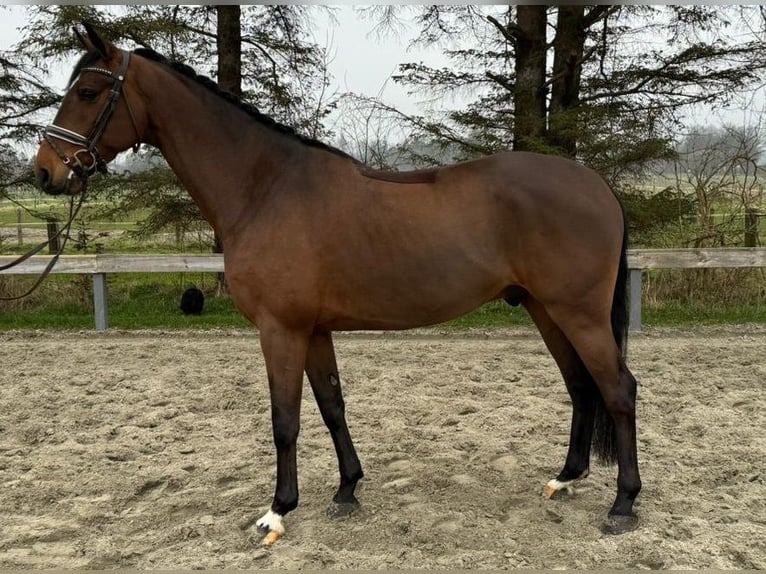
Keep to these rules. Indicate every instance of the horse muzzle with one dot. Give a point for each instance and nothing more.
(58, 182)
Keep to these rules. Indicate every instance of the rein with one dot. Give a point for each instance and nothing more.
(63, 232)
(76, 165)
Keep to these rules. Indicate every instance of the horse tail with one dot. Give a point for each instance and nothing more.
(620, 317)
(604, 434)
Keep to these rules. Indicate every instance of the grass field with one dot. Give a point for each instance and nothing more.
(151, 301)
(115, 235)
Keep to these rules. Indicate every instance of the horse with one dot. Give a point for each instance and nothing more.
(315, 242)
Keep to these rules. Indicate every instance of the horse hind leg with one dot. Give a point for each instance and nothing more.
(322, 373)
(583, 393)
(592, 337)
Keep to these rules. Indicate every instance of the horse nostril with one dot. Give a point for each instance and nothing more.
(43, 177)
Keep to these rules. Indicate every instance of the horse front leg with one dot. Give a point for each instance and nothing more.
(284, 351)
(323, 375)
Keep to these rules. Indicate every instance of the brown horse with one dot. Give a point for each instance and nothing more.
(314, 242)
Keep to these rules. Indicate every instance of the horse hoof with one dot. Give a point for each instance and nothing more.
(342, 509)
(264, 537)
(556, 488)
(620, 524)
(271, 537)
(269, 529)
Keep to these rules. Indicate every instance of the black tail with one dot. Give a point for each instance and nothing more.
(620, 316)
(604, 436)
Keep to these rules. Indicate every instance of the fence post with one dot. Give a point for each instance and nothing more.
(54, 242)
(19, 233)
(751, 227)
(100, 301)
(635, 280)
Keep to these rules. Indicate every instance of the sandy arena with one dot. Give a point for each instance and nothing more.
(154, 450)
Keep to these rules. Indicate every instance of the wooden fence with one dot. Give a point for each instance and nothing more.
(640, 260)
(98, 266)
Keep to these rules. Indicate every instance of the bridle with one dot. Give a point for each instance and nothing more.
(88, 150)
(76, 165)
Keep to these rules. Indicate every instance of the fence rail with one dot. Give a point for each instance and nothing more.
(722, 257)
(99, 266)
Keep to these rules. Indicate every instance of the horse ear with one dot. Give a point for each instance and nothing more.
(83, 40)
(94, 41)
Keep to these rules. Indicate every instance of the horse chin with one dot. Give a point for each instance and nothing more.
(73, 185)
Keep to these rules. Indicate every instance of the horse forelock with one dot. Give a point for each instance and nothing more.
(87, 60)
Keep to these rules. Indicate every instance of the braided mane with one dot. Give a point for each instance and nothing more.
(250, 109)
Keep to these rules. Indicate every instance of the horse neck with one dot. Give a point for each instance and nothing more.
(224, 158)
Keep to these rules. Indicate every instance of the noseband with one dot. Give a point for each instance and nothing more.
(88, 143)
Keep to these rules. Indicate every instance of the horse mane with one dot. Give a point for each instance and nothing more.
(250, 109)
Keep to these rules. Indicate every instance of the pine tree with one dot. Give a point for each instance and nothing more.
(261, 54)
(605, 84)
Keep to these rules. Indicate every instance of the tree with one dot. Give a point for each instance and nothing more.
(261, 54)
(721, 168)
(229, 47)
(618, 76)
(282, 67)
(528, 39)
(370, 132)
(22, 98)
(12, 166)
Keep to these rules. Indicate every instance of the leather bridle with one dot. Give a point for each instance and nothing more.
(88, 144)
(76, 165)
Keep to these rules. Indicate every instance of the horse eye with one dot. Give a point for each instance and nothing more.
(87, 95)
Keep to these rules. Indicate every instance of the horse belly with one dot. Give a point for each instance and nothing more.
(439, 258)
(409, 297)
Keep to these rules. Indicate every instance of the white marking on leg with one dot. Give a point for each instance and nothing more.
(555, 485)
(270, 525)
(272, 522)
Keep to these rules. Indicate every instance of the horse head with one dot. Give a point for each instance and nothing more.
(95, 121)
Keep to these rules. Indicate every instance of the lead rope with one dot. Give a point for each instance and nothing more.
(64, 231)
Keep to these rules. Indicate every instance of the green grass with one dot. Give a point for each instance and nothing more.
(498, 314)
(676, 314)
(136, 301)
(151, 301)
(492, 315)
(113, 237)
